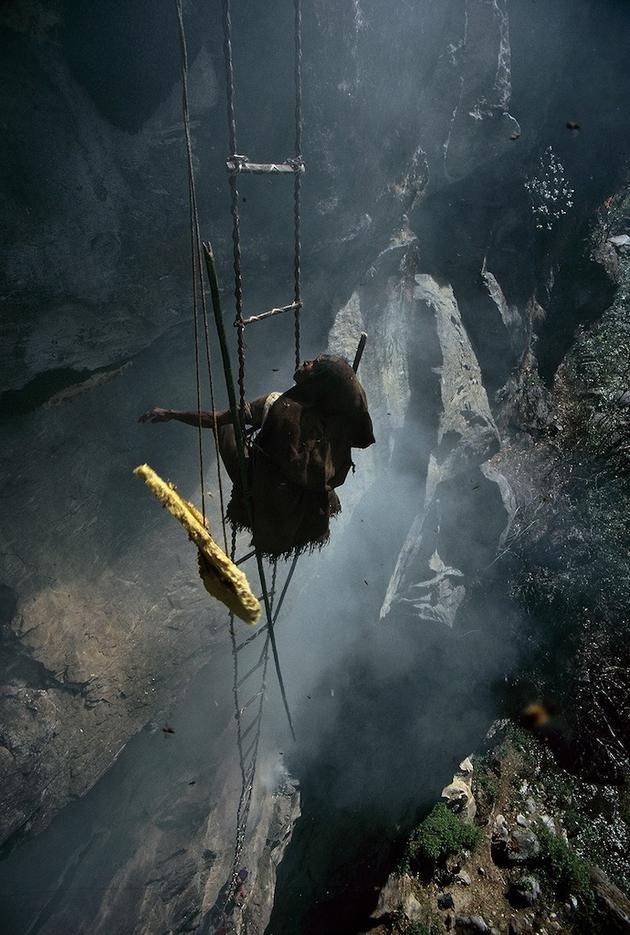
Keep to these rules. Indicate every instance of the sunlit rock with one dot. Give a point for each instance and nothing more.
(397, 897)
(429, 579)
(458, 793)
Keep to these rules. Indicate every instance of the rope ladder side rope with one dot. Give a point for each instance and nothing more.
(247, 756)
(236, 165)
(240, 448)
(197, 279)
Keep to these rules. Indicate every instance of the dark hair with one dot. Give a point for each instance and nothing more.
(332, 387)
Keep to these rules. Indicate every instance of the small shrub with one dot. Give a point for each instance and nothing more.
(572, 821)
(521, 740)
(429, 925)
(487, 785)
(566, 871)
(419, 928)
(441, 834)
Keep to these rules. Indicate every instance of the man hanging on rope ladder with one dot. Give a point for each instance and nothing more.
(300, 454)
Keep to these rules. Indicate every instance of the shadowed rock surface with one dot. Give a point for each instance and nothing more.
(422, 129)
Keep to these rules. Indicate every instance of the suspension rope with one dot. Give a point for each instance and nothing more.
(274, 572)
(195, 291)
(197, 281)
(248, 772)
(248, 769)
(297, 181)
(247, 758)
(248, 755)
(234, 204)
(242, 463)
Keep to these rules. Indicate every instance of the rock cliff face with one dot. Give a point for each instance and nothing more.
(434, 148)
(466, 437)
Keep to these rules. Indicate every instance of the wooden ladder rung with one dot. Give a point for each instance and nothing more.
(293, 307)
(236, 166)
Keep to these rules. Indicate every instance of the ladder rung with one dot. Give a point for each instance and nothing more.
(249, 729)
(293, 307)
(244, 558)
(250, 639)
(244, 708)
(250, 749)
(251, 671)
(237, 165)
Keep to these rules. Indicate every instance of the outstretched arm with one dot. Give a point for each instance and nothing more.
(207, 421)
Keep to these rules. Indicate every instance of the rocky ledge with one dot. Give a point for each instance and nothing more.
(520, 847)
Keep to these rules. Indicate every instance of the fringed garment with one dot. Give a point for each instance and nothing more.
(302, 452)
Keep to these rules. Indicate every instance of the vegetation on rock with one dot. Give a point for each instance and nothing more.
(440, 835)
(567, 872)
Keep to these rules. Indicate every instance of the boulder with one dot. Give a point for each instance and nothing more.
(397, 897)
(519, 847)
(458, 794)
(524, 892)
(445, 901)
(621, 242)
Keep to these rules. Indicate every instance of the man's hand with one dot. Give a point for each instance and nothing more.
(155, 415)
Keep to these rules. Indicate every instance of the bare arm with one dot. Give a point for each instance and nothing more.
(208, 419)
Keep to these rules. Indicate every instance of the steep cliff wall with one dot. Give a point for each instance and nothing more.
(446, 210)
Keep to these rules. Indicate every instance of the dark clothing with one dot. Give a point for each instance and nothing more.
(301, 453)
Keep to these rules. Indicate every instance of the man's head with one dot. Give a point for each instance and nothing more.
(330, 384)
(328, 365)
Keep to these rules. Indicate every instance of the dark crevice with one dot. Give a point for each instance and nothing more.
(582, 293)
(16, 836)
(45, 386)
(17, 665)
(8, 605)
(39, 390)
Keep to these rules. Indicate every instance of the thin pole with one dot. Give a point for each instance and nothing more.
(360, 349)
(240, 448)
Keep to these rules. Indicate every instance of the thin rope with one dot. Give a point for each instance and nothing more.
(235, 673)
(239, 429)
(195, 284)
(197, 279)
(204, 309)
(297, 182)
(235, 158)
(247, 770)
(229, 73)
(247, 788)
(242, 462)
(274, 573)
(247, 760)
(234, 205)
(247, 765)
